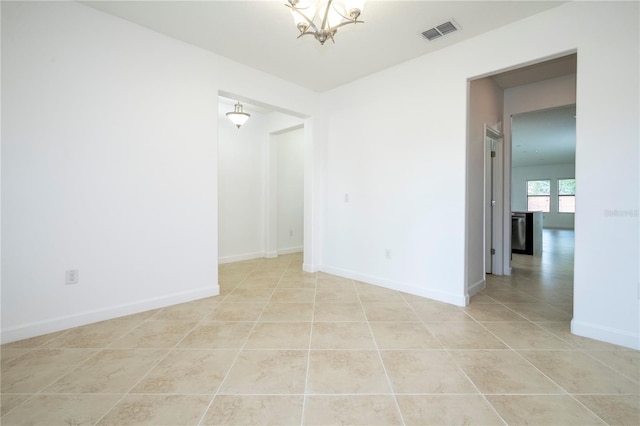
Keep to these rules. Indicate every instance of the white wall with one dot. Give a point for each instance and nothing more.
(290, 190)
(606, 301)
(397, 146)
(109, 165)
(551, 93)
(485, 107)
(116, 185)
(553, 172)
(242, 162)
(258, 189)
(102, 135)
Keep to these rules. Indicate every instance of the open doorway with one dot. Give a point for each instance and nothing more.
(543, 147)
(543, 180)
(260, 183)
(285, 192)
(493, 100)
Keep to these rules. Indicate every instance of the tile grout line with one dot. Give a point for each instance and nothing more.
(566, 392)
(460, 369)
(511, 349)
(306, 379)
(128, 392)
(571, 395)
(97, 350)
(588, 409)
(155, 365)
(43, 346)
(635, 380)
(564, 352)
(384, 367)
(255, 323)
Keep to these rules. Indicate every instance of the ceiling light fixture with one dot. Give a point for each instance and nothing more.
(322, 18)
(237, 116)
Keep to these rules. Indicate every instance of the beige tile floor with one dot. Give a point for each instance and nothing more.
(280, 346)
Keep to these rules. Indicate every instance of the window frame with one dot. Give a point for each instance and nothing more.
(548, 196)
(558, 195)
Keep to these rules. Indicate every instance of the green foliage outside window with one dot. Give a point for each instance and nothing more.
(538, 187)
(566, 187)
(538, 195)
(566, 195)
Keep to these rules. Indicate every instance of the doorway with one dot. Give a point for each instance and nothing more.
(493, 99)
(285, 192)
(543, 146)
(261, 192)
(543, 155)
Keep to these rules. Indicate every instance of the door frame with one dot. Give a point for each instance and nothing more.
(493, 200)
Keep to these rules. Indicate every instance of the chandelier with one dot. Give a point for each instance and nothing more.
(322, 18)
(237, 116)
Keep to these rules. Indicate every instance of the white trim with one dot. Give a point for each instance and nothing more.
(290, 250)
(441, 296)
(606, 334)
(311, 268)
(259, 255)
(474, 289)
(241, 257)
(38, 328)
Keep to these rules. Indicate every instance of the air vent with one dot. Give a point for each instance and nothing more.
(440, 30)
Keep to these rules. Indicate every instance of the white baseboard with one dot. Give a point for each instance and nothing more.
(290, 250)
(240, 257)
(38, 328)
(440, 296)
(259, 255)
(476, 288)
(606, 334)
(307, 267)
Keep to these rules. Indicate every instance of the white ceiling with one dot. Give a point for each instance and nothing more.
(261, 34)
(544, 137)
(553, 68)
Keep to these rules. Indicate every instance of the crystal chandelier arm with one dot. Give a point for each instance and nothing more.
(316, 34)
(324, 29)
(313, 33)
(329, 32)
(305, 17)
(342, 24)
(325, 18)
(345, 17)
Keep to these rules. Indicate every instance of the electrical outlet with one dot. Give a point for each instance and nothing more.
(72, 277)
(387, 254)
(291, 232)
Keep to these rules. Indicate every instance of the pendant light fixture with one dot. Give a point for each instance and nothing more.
(322, 18)
(237, 116)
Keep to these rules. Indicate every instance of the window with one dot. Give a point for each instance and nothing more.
(538, 195)
(566, 195)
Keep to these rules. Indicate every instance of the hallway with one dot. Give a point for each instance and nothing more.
(546, 280)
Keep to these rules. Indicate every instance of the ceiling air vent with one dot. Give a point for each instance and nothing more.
(442, 29)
